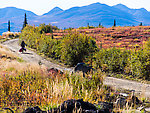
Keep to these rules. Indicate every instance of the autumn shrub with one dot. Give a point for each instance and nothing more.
(139, 62)
(75, 47)
(113, 60)
(133, 63)
(31, 35)
(147, 57)
(49, 47)
(43, 28)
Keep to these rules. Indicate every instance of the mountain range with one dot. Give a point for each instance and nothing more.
(76, 16)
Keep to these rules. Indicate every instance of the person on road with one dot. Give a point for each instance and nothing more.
(23, 44)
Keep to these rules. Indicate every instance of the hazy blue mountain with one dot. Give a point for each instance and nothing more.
(54, 11)
(76, 16)
(14, 12)
(93, 14)
(141, 15)
(122, 7)
(16, 17)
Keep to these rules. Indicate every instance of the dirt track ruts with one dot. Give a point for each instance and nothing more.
(31, 56)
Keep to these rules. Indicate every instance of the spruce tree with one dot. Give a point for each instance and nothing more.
(99, 25)
(88, 26)
(25, 21)
(9, 25)
(114, 23)
(141, 24)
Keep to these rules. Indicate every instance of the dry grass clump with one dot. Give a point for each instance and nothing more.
(17, 34)
(4, 52)
(9, 34)
(19, 67)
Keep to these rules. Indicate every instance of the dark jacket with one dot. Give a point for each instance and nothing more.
(23, 44)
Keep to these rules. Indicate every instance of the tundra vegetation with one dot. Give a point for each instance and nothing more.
(23, 85)
(77, 46)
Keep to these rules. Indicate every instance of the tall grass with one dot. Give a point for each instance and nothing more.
(31, 88)
(30, 85)
(4, 52)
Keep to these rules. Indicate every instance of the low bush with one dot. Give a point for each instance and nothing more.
(75, 47)
(133, 63)
(113, 60)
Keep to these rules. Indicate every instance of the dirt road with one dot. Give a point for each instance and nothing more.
(30, 56)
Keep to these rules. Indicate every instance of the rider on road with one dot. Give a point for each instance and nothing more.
(23, 44)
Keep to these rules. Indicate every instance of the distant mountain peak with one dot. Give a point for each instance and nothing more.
(124, 7)
(143, 9)
(121, 7)
(96, 4)
(55, 10)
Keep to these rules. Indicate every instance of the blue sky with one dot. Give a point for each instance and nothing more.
(43, 6)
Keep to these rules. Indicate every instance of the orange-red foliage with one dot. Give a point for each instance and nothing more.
(120, 37)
